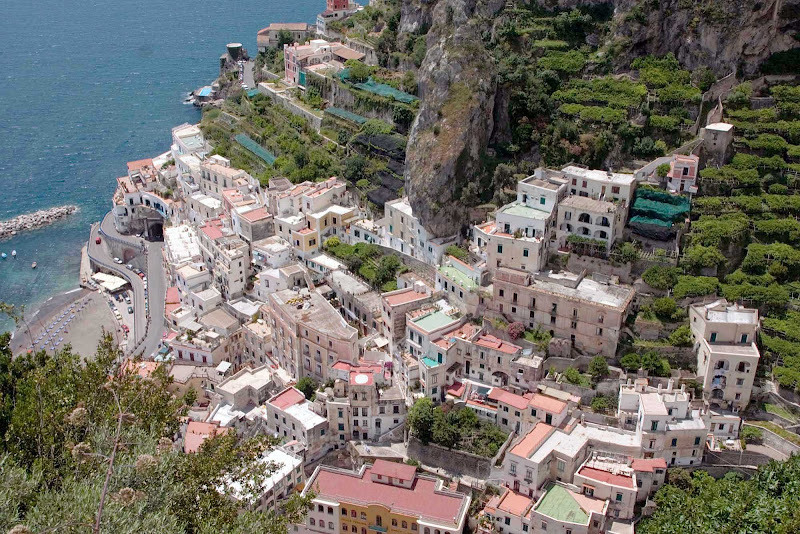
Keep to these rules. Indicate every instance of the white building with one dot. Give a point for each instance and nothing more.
(590, 219)
(407, 235)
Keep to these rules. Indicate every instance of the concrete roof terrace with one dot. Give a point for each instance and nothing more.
(434, 320)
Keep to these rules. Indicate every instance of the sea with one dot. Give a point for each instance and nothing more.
(87, 86)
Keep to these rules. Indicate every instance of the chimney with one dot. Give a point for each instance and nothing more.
(670, 385)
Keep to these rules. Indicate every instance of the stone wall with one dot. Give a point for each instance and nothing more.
(578, 263)
(456, 462)
(735, 458)
(773, 440)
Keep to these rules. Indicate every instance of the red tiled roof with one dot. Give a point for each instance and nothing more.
(212, 228)
(287, 397)
(506, 397)
(547, 403)
(421, 499)
(394, 470)
(514, 503)
(197, 433)
(648, 465)
(405, 296)
(172, 295)
(139, 164)
(606, 477)
(347, 53)
(361, 379)
(456, 389)
(532, 440)
(256, 214)
(492, 342)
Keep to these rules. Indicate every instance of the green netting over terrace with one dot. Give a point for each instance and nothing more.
(346, 115)
(381, 89)
(638, 219)
(255, 148)
(659, 205)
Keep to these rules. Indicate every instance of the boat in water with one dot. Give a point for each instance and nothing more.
(33, 265)
(13, 253)
(3, 255)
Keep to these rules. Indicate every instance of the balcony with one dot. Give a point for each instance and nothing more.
(378, 528)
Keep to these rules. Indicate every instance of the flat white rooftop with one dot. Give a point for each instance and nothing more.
(598, 175)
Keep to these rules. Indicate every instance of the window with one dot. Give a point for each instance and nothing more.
(499, 249)
(413, 526)
(404, 524)
(352, 513)
(674, 442)
(513, 468)
(507, 521)
(525, 254)
(502, 292)
(320, 508)
(313, 522)
(560, 465)
(697, 440)
(744, 338)
(615, 189)
(619, 497)
(713, 337)
(654, 426)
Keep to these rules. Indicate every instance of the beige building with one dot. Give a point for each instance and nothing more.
(600, 185)
(216, 175)
(288, 415)
(588, 311)
(394, 307)
(308, 333)
(226, 256)
(664, 421)
(362, 404)
(503, 249)
(727, 355)
(588, 218)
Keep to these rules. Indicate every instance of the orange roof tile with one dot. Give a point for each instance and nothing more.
(532, 440)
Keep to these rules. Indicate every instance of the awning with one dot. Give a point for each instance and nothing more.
(223, 367)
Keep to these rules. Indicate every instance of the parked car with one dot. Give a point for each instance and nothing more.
(127, 299)
(130, 309)
(129, 266)
(97, 241)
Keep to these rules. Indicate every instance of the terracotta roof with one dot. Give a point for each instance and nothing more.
(456, 389)
(421, 499)
(257, 214)
(172, 295)
(514, 503)
(347, 53)
(607, 477)
(648, 465)
(212, 228)
(197, 433)
(139, 164)
(287, 397)
(404, 296)
(394, 470)
(506, 397)
(547, 403)
(492, 342)
(532, 440)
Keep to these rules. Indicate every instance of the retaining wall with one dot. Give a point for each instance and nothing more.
(456, 462)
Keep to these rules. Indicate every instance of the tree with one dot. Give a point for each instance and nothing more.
(601, 403)
(387, 269)
(376, 127)
(631, 362)
(751, 434)
(421, 418)
(284, 38)
(359, 71)
(88, 448)
(681, 337)
(307, 387)
(598, 367)
(664, 307)
(662, 170)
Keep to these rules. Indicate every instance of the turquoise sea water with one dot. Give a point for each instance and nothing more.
(87, 86)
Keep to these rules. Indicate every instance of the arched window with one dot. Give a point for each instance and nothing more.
(601, 234)
(344, 511)
(379, 521)
(603, 222)
(313, 522)
(404, 524)
(330, 509)
(583, 231)
(352, 513)
(320, 508)
(584, 218)
(427, 530)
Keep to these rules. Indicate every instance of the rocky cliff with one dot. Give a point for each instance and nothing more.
(457, 88)
(721, 34)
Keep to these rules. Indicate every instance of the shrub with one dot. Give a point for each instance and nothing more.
(662, 170)
(603, 404)
(751, 434)
(573, 376)
(457, 252)
(659, 277)
(695, 286)
(516, 330)
(631, 362)
(681, 337)
(664, 307)
(778, 189)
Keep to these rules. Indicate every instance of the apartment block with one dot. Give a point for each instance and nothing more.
(727, 355)
(405, 234)
(588, 311)
(600, 185)
(290, 416)
(394, 307)
(309, 335)
(462, 283)
(383, 497)
(588, 218)
(357, 302)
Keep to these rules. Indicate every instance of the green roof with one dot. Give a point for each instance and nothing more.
(347, 115)
(458, 277)
(559, 504)
(429, 362)
(523, 210)
(433, 321)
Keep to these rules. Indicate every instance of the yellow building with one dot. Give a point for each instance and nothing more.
(383, 498)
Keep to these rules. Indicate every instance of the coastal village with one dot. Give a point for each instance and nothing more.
(530, 374)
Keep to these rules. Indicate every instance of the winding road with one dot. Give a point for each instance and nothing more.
(148, 329)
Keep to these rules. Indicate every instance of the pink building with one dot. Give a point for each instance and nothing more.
(682, 175)
(318, 54)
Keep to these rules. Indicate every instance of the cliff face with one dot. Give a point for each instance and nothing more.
(721, 34)
(453, 127)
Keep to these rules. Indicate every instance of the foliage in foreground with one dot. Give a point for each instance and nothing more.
(767, 503)
(87, 447)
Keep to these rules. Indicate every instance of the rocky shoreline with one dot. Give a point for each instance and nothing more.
(32, 221)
